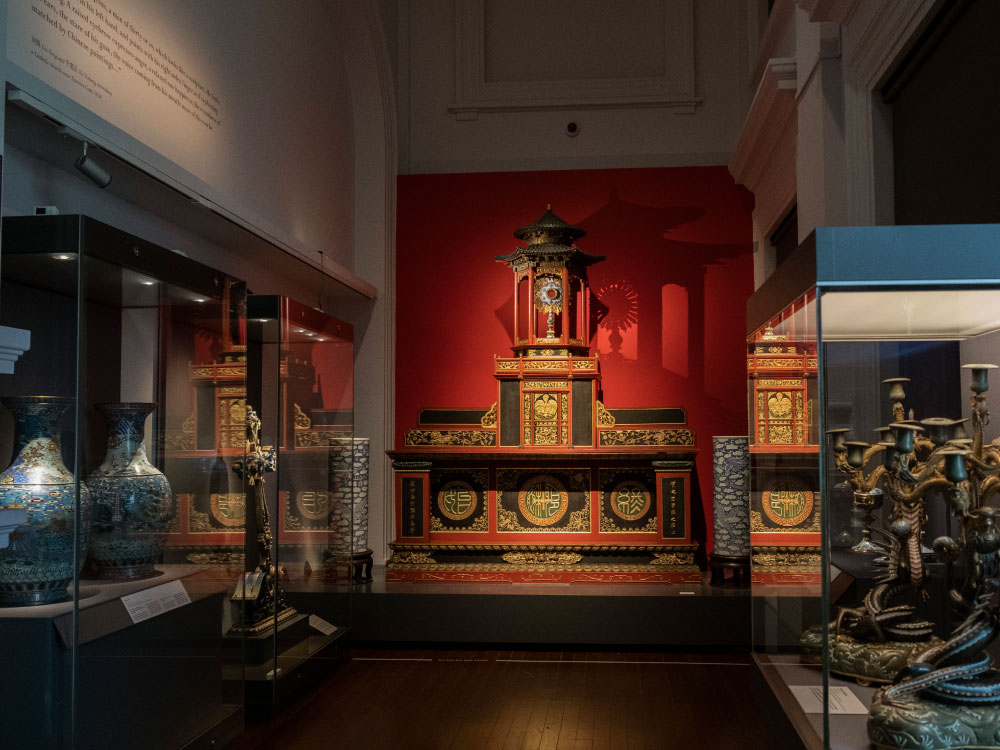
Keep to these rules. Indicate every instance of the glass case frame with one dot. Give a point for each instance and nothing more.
(898, 303)
(300, 383)
(119, 322)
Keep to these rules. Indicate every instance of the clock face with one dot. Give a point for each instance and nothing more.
(549, 294)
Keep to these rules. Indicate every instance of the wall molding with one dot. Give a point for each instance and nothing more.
(837, 11)
(879, 33)
(388, 297)
(474, 94)
(778, 29)
(764, 158)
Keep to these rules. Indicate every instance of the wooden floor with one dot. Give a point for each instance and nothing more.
(514, 700)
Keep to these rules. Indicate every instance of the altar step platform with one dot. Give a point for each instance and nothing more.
(553, 614)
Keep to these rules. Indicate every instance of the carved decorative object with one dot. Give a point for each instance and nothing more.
(938, 694)
(263, 600)
(550, 417)
(949, 696)
(784, 507)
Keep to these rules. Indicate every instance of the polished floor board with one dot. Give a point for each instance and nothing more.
(444, 699)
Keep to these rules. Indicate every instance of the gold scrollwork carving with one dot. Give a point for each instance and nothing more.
(506, 364)
(541, 558)
(779, 382)
(507, 520)
(545, 365)
(482, 523)
(608, 526)
(673, 558)
(546, 384)
(174, 442)
(410, 557)
(451, 437)
(779, 434)
(318, 438)
(583, 364)
(787, 560)
(604, 418)
(579, 520)
(757, 524)
(302, 421)
(546, 435)
(682, 436)
(490, 418)
(199, 522)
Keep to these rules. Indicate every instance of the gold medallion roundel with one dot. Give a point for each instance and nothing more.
(457, 500)
(229, 508)
(788, 504)
(313, 505)
(630, 500)
(543, 500)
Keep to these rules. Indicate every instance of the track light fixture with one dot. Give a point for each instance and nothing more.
(92, 170)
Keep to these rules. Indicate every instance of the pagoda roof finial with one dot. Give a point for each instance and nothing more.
(550, 236)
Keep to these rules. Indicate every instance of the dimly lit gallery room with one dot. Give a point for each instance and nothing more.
(499, 375)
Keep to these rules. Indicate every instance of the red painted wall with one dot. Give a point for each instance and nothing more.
(675, 282)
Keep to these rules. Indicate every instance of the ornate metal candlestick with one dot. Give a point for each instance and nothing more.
(259, 589)
(851, 457)
(871, 643)
(897, 395)
(949, 696)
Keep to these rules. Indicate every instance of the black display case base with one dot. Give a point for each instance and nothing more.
(656, 615)
(278, 683)
(259, 648)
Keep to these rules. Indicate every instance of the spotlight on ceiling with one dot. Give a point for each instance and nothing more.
(92, 170)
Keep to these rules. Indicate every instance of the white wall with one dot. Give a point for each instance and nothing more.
(304, 161)
(263, 131)
(818, 128)
(650, 83)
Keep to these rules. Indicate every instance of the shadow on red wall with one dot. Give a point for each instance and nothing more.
(672, 292)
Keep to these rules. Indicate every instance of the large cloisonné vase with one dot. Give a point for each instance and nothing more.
(132, 499)
(40, 561)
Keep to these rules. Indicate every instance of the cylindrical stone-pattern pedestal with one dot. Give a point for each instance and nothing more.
(349, 493)
(731, 506)
(359, 495)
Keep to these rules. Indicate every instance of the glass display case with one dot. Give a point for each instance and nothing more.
(908, 330)
(112, 634)
(300, 382)
(785, 509)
